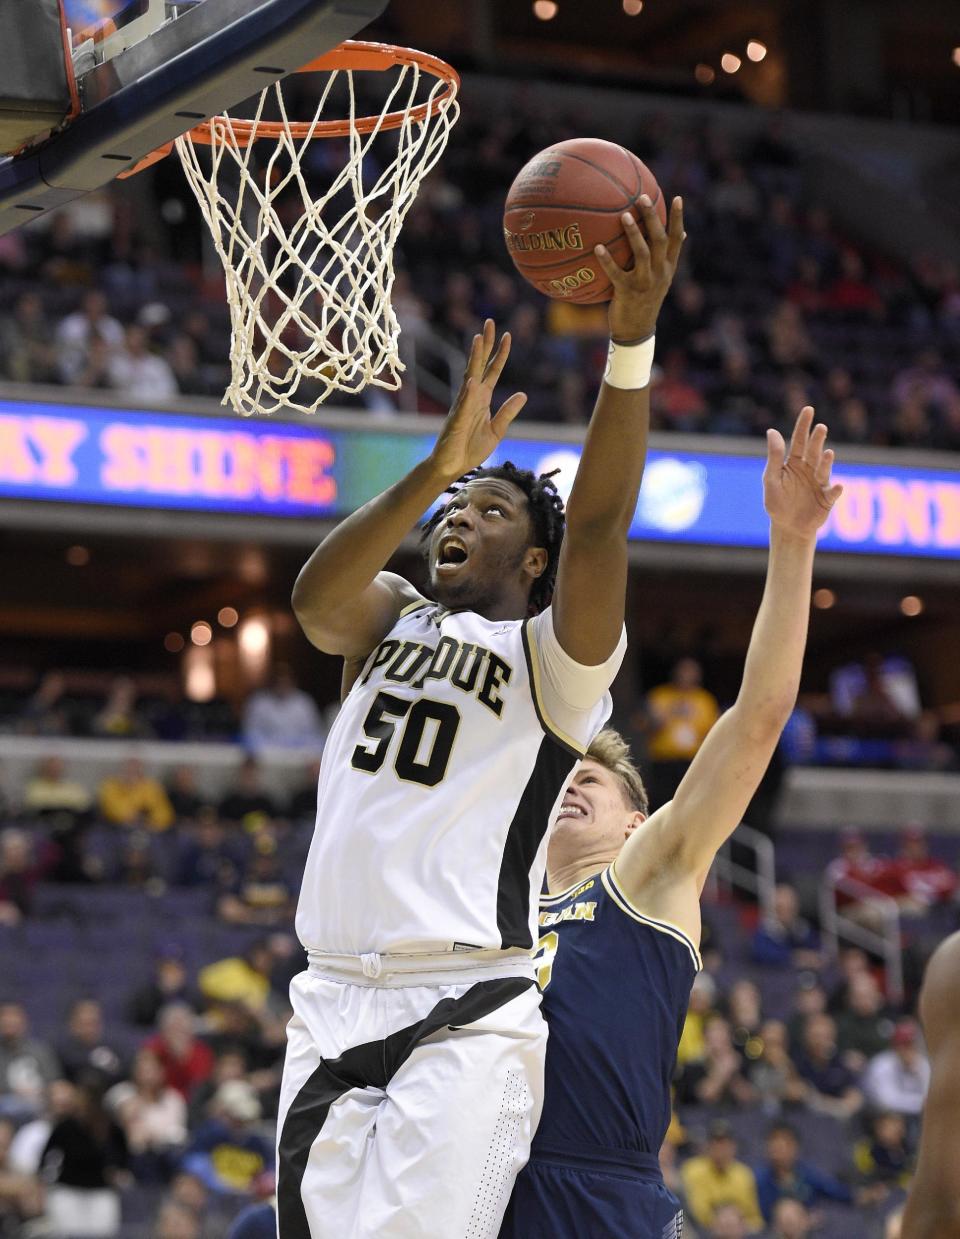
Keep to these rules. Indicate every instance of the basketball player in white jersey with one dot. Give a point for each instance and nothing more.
(414, 1068)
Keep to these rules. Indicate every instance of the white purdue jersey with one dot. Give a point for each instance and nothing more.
(440, 778)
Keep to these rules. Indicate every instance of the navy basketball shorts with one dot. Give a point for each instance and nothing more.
(561, 1196)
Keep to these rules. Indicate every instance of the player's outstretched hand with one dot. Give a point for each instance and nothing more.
(472, 431)
(639, 292)
(797, 492)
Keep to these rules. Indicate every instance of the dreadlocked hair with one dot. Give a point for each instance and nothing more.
(546, 514)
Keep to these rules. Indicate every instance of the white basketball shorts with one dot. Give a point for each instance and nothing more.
(410, 1095)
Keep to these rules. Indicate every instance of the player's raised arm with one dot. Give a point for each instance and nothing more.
(588, 600)
(933, 1207)
(679, 842)
(343, 599)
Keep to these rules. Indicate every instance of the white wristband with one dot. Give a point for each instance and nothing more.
(629, 365)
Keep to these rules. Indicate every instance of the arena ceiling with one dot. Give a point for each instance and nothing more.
(876, 57)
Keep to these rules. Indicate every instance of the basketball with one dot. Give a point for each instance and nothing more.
(565, 201)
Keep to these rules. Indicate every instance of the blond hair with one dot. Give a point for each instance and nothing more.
(610, 750)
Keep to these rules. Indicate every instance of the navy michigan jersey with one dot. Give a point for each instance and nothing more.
(439, 780)
(616, 984)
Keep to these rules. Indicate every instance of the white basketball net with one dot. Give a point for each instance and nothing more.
(309, 301)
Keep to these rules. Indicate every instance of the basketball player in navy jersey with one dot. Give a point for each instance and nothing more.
(414, 1070)
(620, 927)
(933, 1206)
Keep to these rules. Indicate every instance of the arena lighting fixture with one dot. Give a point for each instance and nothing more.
(911, 605)
(78, 556)
(254, 636)
(955, 56)
(201, 633)
(545, 10)
(199, 681)
(704, 74)
(730, 63)
(756, 50)
(824, 599)
(633, 8)
(173, 643)
(227, 617)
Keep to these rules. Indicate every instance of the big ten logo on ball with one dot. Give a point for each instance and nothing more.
(551, 239)
(567, 284)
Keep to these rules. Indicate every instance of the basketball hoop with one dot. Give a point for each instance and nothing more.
(309, 294)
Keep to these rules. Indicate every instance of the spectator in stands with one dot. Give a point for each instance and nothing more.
(48, 791)
(226, 1153)
(784, 939)
(135, 865)
(26, 1151)
(80, 330)
(784, 1174)
(153, 1117)
(176, 1221)
(773, 1073)
(137, 372)
(118, 716)
(303, 802)
(84, 1052)
(692, 1047)
(26, 343)
(745, 1015)
(186, 1060)
(261, 894)
(832, 1086)
(728, 1223)
(256, 1222)
(679, 715)
(244, 979)
(851, 295)
(247, 802)
(898, 1078)
(231, 1063)
(207, 857)
(859, 877)
(884, 1158)
(282, 715)
(853, 962)
(183, 795)
(809, 999)
(864, 1024)
(20, 872)
(716, 1178)
(27, 1066)
(45, 714)
(21, 1195)
(170, 983)
(676, 403)
(85, 1161)
(928, 381)
(719, 1078)
(924, 880)
(133, 798)
(791, 1220)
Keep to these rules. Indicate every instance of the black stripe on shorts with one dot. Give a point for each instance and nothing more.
(374, 1063)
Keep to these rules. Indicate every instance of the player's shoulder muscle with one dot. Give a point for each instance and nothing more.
(359, 626)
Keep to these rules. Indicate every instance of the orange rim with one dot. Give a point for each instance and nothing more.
(371, 57)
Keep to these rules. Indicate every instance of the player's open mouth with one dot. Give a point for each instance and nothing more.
(451, 554)
(571, 810)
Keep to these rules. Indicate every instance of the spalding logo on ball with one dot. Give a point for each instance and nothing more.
(565, 201)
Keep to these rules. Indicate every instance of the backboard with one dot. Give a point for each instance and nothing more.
(147, 70)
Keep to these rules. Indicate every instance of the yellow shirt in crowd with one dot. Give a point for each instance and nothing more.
(687, 714)
(707, 1188)
(132, 804)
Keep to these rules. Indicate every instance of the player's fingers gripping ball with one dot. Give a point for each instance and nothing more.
(565, 201)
